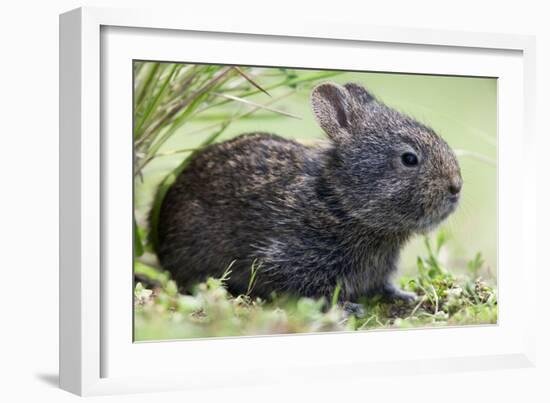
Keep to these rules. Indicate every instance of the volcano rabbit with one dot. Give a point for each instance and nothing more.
(309, 218)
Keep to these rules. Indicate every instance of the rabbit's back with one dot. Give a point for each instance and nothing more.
(230, 202)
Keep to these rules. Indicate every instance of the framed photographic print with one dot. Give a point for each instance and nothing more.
(231, 189)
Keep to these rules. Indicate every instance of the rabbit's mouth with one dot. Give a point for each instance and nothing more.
(454, 199)
(430, 221)
(449, 206)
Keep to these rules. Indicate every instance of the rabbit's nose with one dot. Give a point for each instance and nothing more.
(455, 186)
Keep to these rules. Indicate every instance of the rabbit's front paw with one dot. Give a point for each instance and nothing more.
(393, 293)
(351, 308)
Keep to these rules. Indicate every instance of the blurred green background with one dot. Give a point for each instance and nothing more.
(461, 109)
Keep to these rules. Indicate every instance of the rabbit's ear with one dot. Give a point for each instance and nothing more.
(360, 94)
(332, 106)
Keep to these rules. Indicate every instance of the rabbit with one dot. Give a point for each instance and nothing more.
(309, 218)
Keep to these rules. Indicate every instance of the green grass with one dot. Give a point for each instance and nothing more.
(445, 299)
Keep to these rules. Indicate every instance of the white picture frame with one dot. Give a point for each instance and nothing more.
(97, 355)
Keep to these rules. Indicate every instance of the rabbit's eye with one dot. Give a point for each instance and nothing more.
(409, 159)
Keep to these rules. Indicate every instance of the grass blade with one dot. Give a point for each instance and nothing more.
(154, 102)
(147, 83)
(138, 245)
(250, 80)
(474, 155)
(336, 294)
(258, 106)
